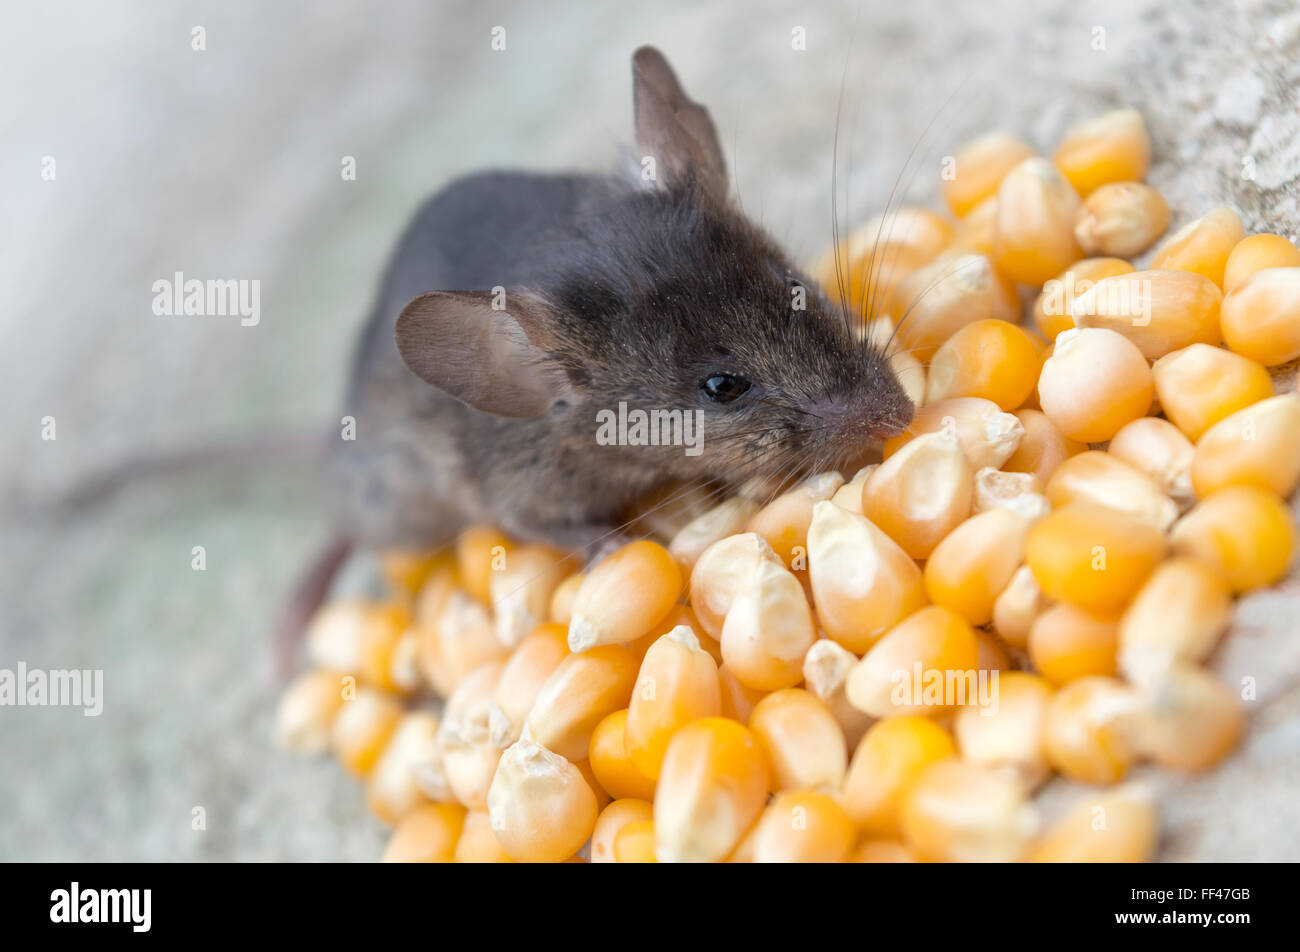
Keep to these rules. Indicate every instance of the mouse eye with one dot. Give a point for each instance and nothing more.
(723, 388)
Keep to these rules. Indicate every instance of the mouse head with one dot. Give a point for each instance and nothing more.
(662, 296)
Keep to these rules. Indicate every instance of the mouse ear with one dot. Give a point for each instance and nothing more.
(673, 128)
(491, 359)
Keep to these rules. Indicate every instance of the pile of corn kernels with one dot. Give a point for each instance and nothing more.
(885, 668)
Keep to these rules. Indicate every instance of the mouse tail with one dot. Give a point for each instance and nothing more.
(305, 598)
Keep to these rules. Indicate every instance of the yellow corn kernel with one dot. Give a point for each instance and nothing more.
(427, 834)
(521, 591)
(826, 669)
(973, 564)
(862, 582)
(974, 231)
(392, 790)
(477, 842)
(624, 596)
(1053, 308)
(882, 851)
(728, 518)
(1033, 237)
(1177, 616)
(561, 610)
(469, 757)
(603, 798)
(956, 289)
(541, 808)
(635, 842)
(849, 496)
(1112, 147)
(712, 787)
(1110, 826)
(992, 359)
(1160, 311)
(802, 739)
(403, 667)
(363, 727)
(1066, 643)
(1258, 253)
(738, 700)
(921, 493)
(406, 570)
(1042, 448)
(1095, 381)
(480, 550)
(1189, 719)
(1258, 446)
(991, 652)
(1203, 245)
(578, 695)
(1017, 606)
(1008, 734)
(307, 710)
(1094, 476)
(1092, 556)
(877, 255)
(910, 374)
(923, 665)
(1122, 219)
(1200, 385)
(1243, 533)
(979, 167)
(987, 435)
(1017, 493)
(723, 570)
(1261, 316)
(1090, 728)
(957, 812)
(784, 521)
(1159, 450)
(527, 669)
(460, 638)
(768, 630)
(677, 683)
(613, 768)
(888, 758)
(612, 819)
(803, 826)
(358, 637)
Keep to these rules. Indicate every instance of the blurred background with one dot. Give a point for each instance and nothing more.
(226, 161)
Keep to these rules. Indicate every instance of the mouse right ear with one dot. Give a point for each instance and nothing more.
(494, 360)
(674, 128)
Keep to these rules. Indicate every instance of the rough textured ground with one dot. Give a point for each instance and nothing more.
(226, 163)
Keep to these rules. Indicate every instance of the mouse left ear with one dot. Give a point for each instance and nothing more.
(492, 359)
(673, 128)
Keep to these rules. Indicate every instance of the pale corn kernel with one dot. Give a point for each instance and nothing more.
(803, 826)
(956, 289)
(430, 772)
(1042, 448)
(1177, 616)
(612, 767)
(427, 834)
(1159, 450)
(768, 630)
(979, 167)
(887, 759)
(1094, 476)
(849, 496)
(919, 494)
(1053, 308)
(1258, 446)
(1189, 719)
(1090, 728)
(1092, 556)
(306, 711)
(877, 332)
(561, 610)
(635, 842)
(713, 786)
(878, 254)
(1095, 381)
(541, 808)
(469, 757)
(1017, 606)
(1033, 237)
(1112, 147)
(882, 851)
(932, 653)
(1160, 311)
(1244, 533)
(1200, 385)
(480, 550)
(826, 668)
(1203, 245)
(1258, 253)
(529, 665)
(722, 571)
(624, 596)
(459, 639)
(987, 435)
(728, 518)
(738, 700)
(1066, 643)
(362, 728)
(336, 636)
(863, 583)
(784, 521)
(403, 667)
(910, 374)
(1109, 826)
(392, 790)
(995, 360)
(406, 570)
(521, 591)
(1122, 219)
(974, 231)
(677, 683)
(959, 812)
(578, 695)
(1018, 493)
(909, 225)
(1009, 733)
(1261, 316)
(612, 819)
(477, 843)
(802, 739)
(972, 565)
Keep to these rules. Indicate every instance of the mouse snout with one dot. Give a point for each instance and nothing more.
(861, 420)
